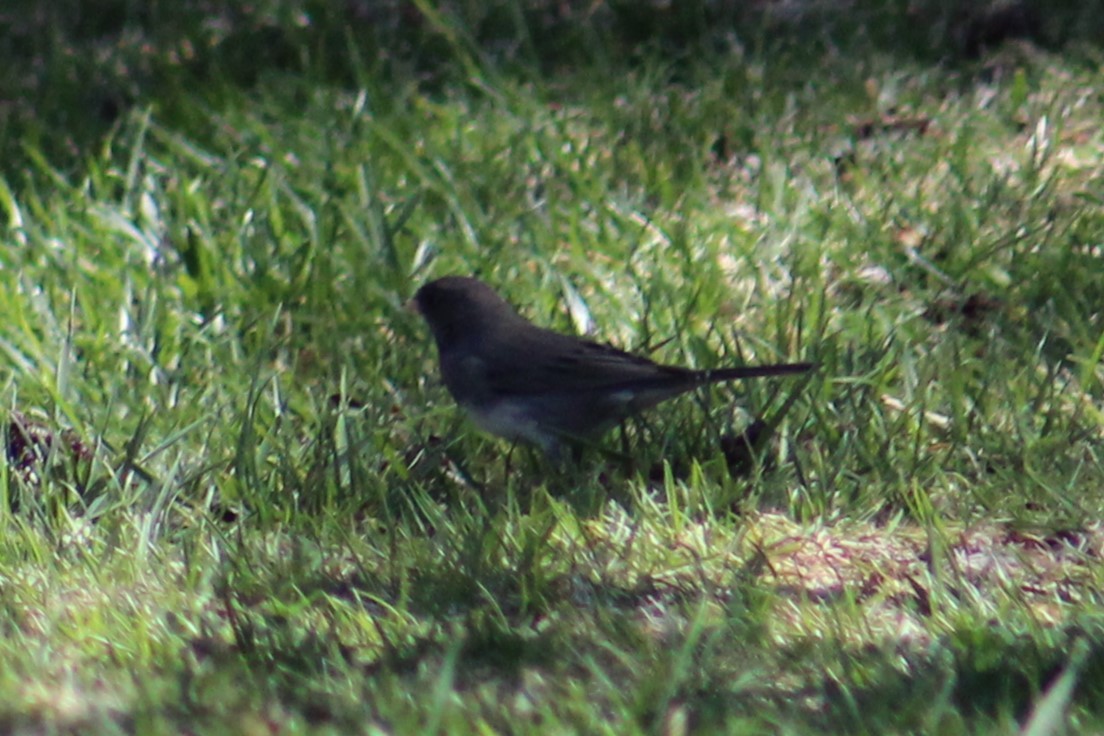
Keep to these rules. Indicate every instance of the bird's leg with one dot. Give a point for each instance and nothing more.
(625, 447)
(509, 457)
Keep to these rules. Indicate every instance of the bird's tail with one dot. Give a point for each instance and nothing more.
(755, 371)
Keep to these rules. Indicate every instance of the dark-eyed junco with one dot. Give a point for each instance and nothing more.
(520, 381)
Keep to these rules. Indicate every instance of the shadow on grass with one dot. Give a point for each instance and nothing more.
(649, 660)
(72, 72)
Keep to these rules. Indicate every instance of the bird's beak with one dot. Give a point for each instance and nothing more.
(411, 306)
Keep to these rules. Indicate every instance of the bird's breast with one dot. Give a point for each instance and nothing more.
(510, 419)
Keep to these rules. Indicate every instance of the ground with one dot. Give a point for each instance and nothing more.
(239, 499)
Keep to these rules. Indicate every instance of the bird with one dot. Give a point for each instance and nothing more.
(519, 381)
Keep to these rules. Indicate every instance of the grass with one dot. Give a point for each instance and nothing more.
(238, 498)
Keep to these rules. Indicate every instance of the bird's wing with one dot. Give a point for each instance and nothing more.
(554, 363)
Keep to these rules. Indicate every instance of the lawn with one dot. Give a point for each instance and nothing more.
(238, 498)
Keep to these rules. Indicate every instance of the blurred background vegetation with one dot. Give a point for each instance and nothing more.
(72, 68)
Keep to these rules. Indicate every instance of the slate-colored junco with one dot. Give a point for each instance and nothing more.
(520, 381)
